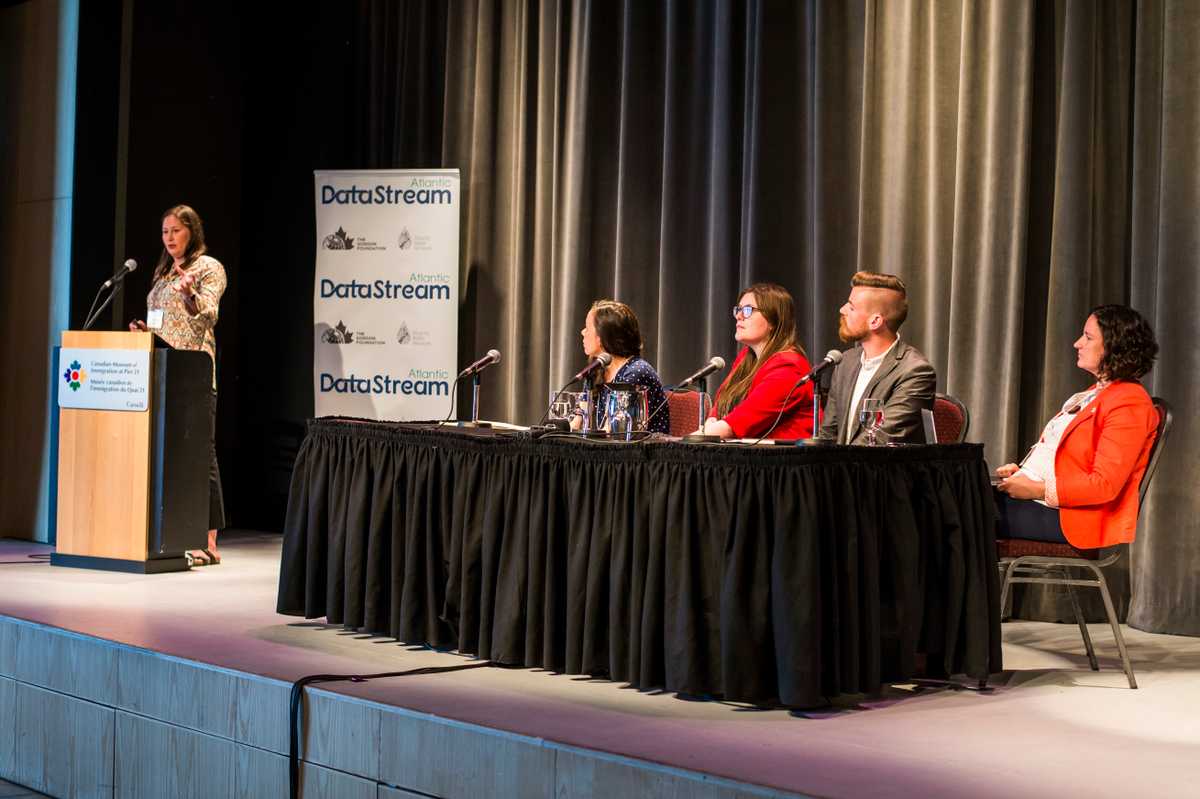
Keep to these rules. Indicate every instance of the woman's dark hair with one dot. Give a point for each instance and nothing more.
(1129, 345)
(775, 304)
(190, 220)
(617, 327)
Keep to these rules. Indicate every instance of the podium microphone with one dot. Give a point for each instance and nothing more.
(492, 357)
(715, 364)
(125, 269)
(94, 313)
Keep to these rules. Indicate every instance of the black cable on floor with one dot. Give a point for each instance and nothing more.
(297, 719)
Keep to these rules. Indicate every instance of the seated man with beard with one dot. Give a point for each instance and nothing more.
(880, 366)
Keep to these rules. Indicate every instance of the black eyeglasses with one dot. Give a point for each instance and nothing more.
(743, 311)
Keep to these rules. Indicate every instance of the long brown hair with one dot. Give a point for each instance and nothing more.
(775, 304)
(190, 220)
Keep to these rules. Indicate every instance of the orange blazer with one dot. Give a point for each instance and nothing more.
(1099, 465)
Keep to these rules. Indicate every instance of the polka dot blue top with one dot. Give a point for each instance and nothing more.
(639, 372)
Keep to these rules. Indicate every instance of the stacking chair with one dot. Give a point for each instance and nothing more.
(685, 411)
(1046, 563)
(951, 419)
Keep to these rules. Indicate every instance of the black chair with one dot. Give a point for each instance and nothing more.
(1047, 563)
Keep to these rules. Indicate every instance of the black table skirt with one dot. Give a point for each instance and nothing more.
(757, 574)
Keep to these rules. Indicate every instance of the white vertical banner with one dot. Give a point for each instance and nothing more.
(385, 304)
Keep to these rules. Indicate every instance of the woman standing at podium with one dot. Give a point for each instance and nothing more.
(181, 309)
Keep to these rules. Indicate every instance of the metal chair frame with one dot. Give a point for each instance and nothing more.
(1057, 570)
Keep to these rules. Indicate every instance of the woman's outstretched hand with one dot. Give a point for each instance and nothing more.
(187, 283)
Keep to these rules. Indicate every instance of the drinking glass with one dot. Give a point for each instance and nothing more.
(870, 416)
(618, 420)
(561, 404)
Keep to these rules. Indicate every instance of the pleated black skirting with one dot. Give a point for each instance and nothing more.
(767, 574)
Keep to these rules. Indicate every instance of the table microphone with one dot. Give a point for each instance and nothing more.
(832, 358)
(716, 363)
(600, 361)
(492, 357)
(93, 312)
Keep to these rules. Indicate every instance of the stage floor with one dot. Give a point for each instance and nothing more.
(1051, 728)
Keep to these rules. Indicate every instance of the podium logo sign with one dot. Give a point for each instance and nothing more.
(75, 375)
(104, 380)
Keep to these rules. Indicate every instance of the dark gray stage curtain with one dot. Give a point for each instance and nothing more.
(1165, 277)
(1016, 162)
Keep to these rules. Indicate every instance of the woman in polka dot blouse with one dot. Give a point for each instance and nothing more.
(612, 327)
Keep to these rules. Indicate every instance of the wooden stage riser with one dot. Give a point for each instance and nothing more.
(90, 718)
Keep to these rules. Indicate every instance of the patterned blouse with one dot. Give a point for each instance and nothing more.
(180, 328)
(639, 372)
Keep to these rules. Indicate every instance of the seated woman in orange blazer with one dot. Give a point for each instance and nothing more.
(1083, 473)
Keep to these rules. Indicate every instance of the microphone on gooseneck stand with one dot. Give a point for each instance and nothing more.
(94, 312)
(125, 269)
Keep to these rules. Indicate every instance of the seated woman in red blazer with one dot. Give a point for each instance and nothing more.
(764, 376)
(1083, 473)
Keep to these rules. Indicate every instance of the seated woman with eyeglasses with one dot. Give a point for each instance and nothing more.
(762, 382)
(1084, 472)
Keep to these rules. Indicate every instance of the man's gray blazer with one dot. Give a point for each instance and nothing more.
(905, 381)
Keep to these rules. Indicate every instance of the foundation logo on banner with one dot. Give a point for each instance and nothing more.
(75, 375)
(417, 338)
(410, 241)
(339, 240)
(338, 335)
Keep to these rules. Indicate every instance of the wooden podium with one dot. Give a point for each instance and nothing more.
(133, 484)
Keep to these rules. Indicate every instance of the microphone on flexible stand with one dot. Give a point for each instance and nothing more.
(125, 269)
(94, 312)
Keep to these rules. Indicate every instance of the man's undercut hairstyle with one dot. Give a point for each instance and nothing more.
(892, 305)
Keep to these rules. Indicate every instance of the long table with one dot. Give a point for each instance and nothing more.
(758, 574)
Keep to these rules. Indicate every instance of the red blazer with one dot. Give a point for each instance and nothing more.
(1099, 466)
(751, 417)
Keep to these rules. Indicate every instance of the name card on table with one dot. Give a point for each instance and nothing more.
(104, 380)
